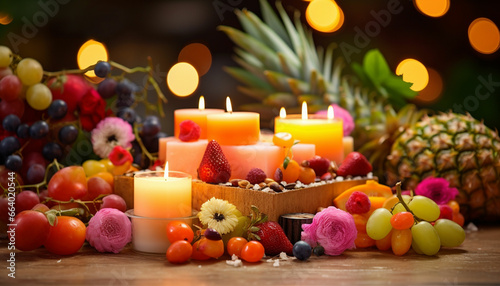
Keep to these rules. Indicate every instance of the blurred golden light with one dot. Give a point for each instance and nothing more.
(414, 72)
(197, 55)
(433, 91)
(484, 36)
(432, 8)
(5, 18)
(182, 79)
(324, 15)
(89, 54)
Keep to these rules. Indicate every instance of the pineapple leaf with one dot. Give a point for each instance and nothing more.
(273, 21)
(397, 86)
(247, 25)
(328, 60)
(376, 67)
(281, 99)
(249, 59)
(248, 78)
(292, 31)
(298, 87)
(259, 94)
(278, 80)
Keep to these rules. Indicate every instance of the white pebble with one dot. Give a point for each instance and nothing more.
(339, 178)
(234, 257)
(283, 256)
(370, 175)
(199, 266)
(235, 263)
(357, 178)
(270, 260)
(256, 187)
(471, 227)
(276, 263)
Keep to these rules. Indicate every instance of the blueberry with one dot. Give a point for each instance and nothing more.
(302, 250)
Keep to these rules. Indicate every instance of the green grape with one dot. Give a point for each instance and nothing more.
(424, 208)
(92, 167)
(398, 207)
(29, 71)
(450, 233)
(426, 238)
(379, 224)
(5, 56)
(39, 96)
(415, 248)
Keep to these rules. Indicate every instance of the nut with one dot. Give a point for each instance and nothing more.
(262, 185)
(268, 181)
(276, 187)
(243, 183)
(290, 186)
(235, 182)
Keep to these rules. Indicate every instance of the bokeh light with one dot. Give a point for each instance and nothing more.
(433, 8)
(89, 54)
(324, 15)
(484, 36)
(414, 72)
(434, 89)
(198, 55)
(5, 18)
(182, 79)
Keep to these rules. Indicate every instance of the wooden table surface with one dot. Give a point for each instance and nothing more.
(476, 262)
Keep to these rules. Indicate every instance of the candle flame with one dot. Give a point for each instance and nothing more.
(330, 112)
(282, 112)
(165, 174)
(229, 108)
(201, 103)
(304, 110)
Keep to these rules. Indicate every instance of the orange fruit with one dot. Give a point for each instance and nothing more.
(372, 189)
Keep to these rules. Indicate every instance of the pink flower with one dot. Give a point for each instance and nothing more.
(111, 132)
(437, 189)
(332, 228)
(109, 230)
(339, 112)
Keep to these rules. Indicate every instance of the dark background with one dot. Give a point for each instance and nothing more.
(133, 30)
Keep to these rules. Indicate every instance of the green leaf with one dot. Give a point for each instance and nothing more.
(248, 78)
(397, 86)
(280, 99)
(360, 72)
(376, 67)
(292, 31)
(285, 162)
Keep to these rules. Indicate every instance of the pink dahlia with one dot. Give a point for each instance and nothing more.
(437, 189)
(109, 230)
(339, 112)
(332, 228)
(111, 132)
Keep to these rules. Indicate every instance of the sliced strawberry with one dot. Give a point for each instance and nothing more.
(355, 164)
(214, 167)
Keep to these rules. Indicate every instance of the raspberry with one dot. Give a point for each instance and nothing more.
(256, 175)
(189, 131)
(358, 203)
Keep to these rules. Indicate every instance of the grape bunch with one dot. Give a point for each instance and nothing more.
(414, 222)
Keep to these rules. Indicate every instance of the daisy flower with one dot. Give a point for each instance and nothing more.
(219, 215)
(111, 132)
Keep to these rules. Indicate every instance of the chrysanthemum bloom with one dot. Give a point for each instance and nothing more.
(332, 228)
(110, 132)
(109, 230)
(437, 189)
(219, 215)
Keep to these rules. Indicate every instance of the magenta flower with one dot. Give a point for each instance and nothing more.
(437, 189)
(109, 230)
(339, 112)
(332, 228)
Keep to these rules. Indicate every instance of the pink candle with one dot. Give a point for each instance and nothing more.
(265, 156)
(185, 156)
(199, 116)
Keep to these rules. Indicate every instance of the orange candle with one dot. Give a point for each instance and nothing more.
(233, 128)
(199, 116)
(325, 133)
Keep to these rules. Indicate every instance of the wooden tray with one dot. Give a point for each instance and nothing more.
(305, 200)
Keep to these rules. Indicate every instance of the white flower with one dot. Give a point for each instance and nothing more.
(110, 132)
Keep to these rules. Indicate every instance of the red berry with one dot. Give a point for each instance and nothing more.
(319, 164)
(445, 212)
(358, 203)
(214, 167)
(355, 164)
(256, 176)
(189, 131)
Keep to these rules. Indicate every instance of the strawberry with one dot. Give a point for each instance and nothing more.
(269, 233)
(214, 167)
(355, 164)
(70, 88)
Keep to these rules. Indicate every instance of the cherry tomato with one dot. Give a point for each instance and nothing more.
(179, 251)
(31, 230)
(235, 245)
(69, 182)
(179, 230)
(252, 251)
(66, 236)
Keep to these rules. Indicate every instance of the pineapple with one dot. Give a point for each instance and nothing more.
(455, 147)
(282, 67)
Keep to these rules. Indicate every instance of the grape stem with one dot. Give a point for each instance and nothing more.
(55, 164)
(143, 149)
(403, 203)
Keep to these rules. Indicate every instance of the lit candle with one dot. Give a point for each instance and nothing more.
(233, 128)
(325, 133)
(159, 197)
(199, 116)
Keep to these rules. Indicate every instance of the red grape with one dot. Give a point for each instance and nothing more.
(4, 178)
(35, 174)
(10, 87)
(97, 186)
(115, 202)
(41, 208)
(5, 71)
(11, 107)
(26, 200)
